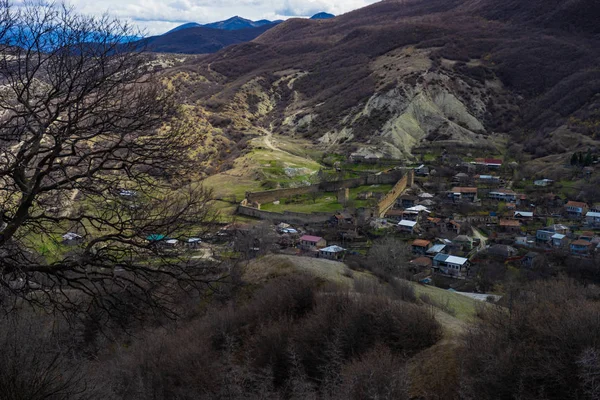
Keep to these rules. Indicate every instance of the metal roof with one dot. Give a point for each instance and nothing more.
(333, 249)
(450, 259)
(410, 224)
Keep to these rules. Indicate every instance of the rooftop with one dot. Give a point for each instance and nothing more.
(581, 242)
(460, 189)
(333, 249)
(421, 243)
(422, 262)
(438, 248)
(450, 259)
(578, 204)
(309, 238)
(510, 222)
(410, 224)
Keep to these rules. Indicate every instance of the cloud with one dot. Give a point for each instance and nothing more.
(159, 16)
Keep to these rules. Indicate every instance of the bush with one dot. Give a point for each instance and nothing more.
(543, 346)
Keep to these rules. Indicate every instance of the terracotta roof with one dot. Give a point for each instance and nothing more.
(394, 212)
(421, 243)
(576, 204)
(434, 220)
(422, 261)
(309, 238)
(581, 242)
(459, 189)
(509, 222)
(455, 223)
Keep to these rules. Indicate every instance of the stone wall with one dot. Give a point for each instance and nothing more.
(287, 216)
(390, 198)
(269, 196)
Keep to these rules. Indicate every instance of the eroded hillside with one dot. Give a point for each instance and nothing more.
(397, 75)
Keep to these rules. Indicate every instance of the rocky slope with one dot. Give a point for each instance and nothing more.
(403, 74)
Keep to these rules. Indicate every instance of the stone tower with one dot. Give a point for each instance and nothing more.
(343, 195)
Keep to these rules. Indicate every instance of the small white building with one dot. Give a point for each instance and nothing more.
(454, 266)
(332, 252)
(407, 226)
(592, 218)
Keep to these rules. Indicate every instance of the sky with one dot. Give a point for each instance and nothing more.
(158, 16)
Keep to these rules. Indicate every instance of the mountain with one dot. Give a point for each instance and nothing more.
(322, 15)
(200, 39)
(231, 24)
(184, 26)
(518, 78)
(236, 23)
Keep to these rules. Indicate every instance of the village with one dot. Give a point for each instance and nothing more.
(457, 227)
(461, 229)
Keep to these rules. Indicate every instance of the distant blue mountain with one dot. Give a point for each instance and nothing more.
(231, 24)
(322, 15)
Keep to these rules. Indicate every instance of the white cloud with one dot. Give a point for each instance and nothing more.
(158, 16)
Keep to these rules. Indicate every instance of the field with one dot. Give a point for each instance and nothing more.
(325, 202)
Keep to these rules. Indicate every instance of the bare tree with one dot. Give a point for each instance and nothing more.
(89, 144)
(389, 256)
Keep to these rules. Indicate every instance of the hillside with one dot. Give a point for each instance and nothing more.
(200, 39)
(397, 75)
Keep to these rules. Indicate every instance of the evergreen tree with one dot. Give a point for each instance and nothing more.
(588, 158)
(574, 159)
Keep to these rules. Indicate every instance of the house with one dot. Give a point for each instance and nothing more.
(544, 236)
(420, 246)
(523, 215)
(332, 252)
(587, 236)
(127, 194)
(193, 243)
(421, 263)
(464, 242)
(343, 219)
(453, 226)
(171, 243)
(502, 251)
(461, 177)
(436, 249)
(407, 201)
(155, 238)
(530, 259)
(489, 163)
(407, 226)
(558, 228)
(463, 193)
(592, 218)
(525, 241)
(364, 195)
(308, 242)
(543, 182)
(71, 239)
(509, 225)
(487, 178)
(560, 240)
(576, 209)
(511, 206)
(394, 214)
(450, 265)
(422, 170)
(581, 247)
(506, 195)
